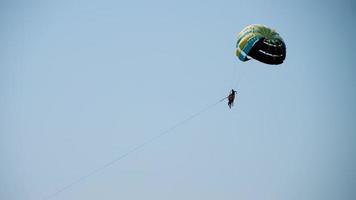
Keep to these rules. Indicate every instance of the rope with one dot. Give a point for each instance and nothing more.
(233, 76)
(236, 75)
(133, 150)
(241, 75)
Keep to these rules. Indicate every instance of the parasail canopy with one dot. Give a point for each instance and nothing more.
(260, 43)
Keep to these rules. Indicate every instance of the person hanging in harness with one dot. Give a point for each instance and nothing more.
(231, 98)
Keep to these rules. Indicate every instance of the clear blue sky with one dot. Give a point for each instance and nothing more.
(82, 82)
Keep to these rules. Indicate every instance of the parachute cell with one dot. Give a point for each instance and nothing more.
(261, 43)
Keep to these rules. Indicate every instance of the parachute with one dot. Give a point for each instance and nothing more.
(260, 43)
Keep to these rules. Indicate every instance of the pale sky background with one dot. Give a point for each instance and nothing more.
(84, 81)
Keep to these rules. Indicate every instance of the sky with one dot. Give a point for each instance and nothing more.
(83, 82)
